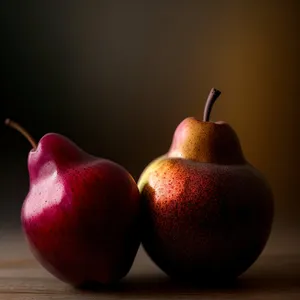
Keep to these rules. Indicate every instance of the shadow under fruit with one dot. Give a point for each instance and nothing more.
(207, 213)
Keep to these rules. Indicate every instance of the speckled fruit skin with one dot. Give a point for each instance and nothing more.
(80, 217)
(204, 221)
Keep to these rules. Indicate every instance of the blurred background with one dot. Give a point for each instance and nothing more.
(117, 77)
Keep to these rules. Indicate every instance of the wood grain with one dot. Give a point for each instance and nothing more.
(276, 275)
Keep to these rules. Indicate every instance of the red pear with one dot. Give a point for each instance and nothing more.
(207, 213)
(81, 212)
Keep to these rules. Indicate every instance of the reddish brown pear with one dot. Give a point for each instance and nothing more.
(207, 213)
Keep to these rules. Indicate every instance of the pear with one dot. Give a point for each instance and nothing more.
(80, 217)
(207, 212)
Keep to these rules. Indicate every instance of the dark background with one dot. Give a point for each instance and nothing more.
(117, 77)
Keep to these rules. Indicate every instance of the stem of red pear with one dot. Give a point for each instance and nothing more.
(212, 97)
(24, 132)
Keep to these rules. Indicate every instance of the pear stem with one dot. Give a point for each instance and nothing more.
(24, 132)
(212, 97)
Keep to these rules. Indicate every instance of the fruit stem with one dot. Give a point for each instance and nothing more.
(24, 132)
(212, 97)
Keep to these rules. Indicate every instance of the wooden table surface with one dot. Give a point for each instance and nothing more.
(275, 275)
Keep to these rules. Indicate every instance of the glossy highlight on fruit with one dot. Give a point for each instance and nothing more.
(207, 213)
